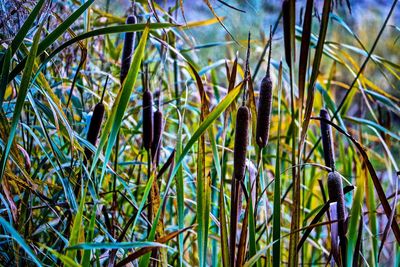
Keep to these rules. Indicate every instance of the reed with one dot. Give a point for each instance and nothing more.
(129, 42)
(265, 105)
(95, 123)
(335, 190)
(158, 127)
(327, 140)
(147, 106)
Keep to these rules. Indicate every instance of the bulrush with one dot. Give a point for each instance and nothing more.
(147, 119)
(335, 189)
(95, 123)
(127, 50)
(265, 105)
(241, 141)
(157, 136)
(327, 140)
(239, 162)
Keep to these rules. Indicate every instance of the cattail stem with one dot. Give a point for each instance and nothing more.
(239, 165)
(157, 136)
(147, 119)
(335, 190)
(327, 140)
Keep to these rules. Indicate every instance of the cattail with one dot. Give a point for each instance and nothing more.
(239, 166)
(265, 105)
(147, 119)
(241, 140)
(327, 140)
(95, 123)
(129, 42)
(335, 190)
(157, 134)
(286, 30)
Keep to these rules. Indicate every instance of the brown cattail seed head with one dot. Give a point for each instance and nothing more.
(335, 187)
(94, 127)
(129, 42)
(241, 140)
(327, 140)
(157, 134)
(147, 119)
(264, 111)
(286, 30)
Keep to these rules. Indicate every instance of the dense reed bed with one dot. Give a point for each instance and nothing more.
(155, 133)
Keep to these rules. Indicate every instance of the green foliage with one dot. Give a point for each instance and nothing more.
(57, 206)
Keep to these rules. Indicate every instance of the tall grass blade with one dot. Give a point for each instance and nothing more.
(114, 121)
(276, 224)
(23, 91)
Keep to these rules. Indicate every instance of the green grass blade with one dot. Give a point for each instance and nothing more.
(89, 237)
(67, 261)
(356, 212)
(76, 228)
(23, 91)
(120, 245)
(114, 121)
(276, 224)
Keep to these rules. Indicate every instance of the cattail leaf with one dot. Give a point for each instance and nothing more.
(356, 213)
(304, 50)
(119, 245)
(372, 124)
(315, 71)
(219, 20)
(203, 183)
(114, 121)
(23, 91)
(223, 227)
(349, 92)
(276, 224)
(86, 35)
(76, 228)
(21, 241)
(201, 23)
(67, 261)
(89, 237)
